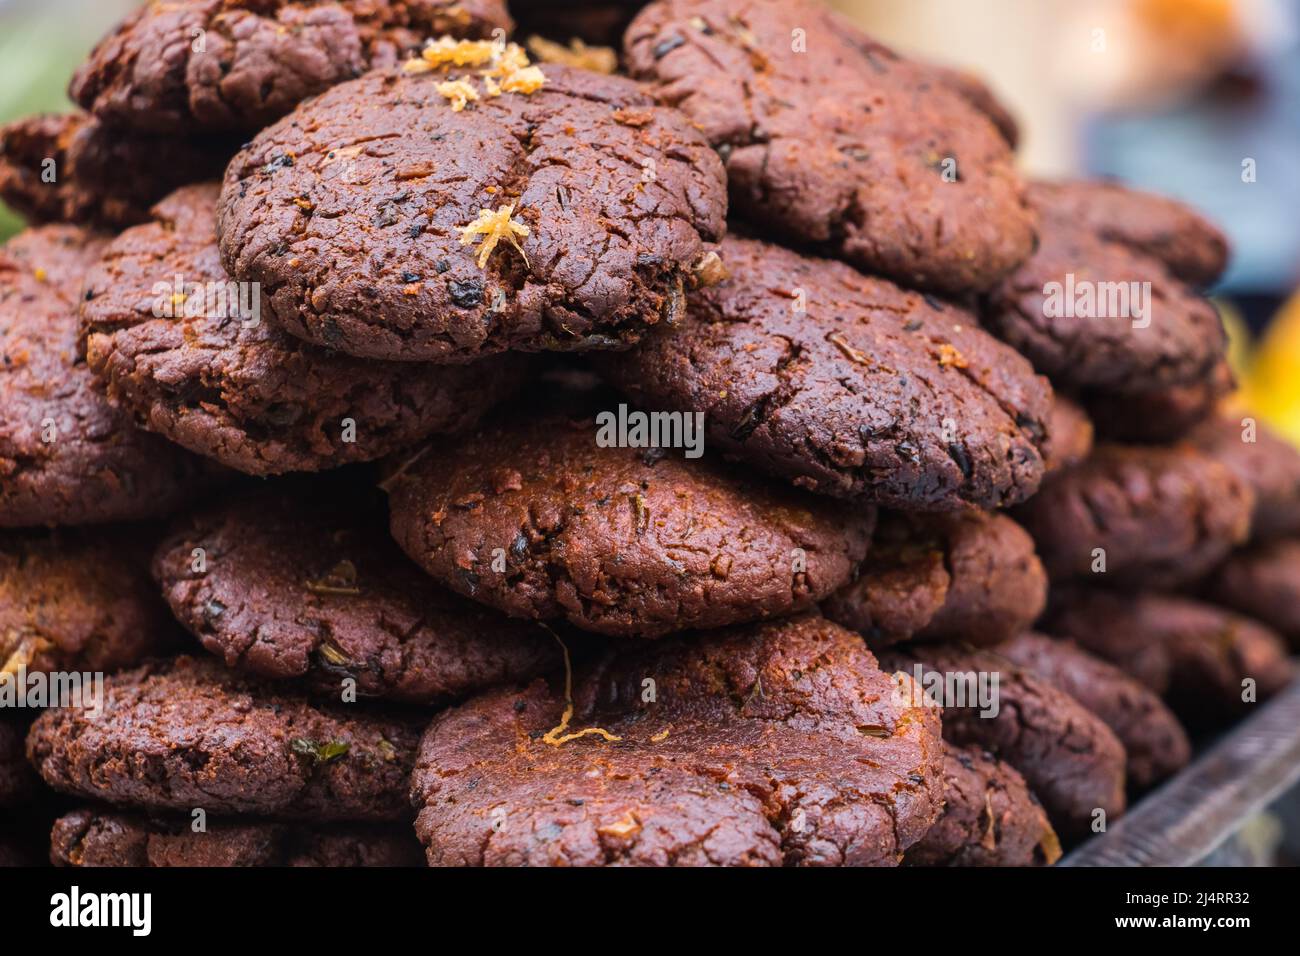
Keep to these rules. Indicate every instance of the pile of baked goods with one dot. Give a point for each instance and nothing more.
(494, 448)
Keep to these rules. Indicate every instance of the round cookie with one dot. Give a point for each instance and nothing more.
(971, 577)
(107, 838)
(201, 368)
(1072, 761)
(294, 587)
(1069, 435)
(1078, 310)
(105, 176)
(1263, 460)
(18, 784)
(846, 385)
(1163, 517)
(1194, 655)
(79, 600)
(187, 733)
(778, 744)
(1263, 582)
(190, 65)
(386, 223)
(66, 456)
(1159, 415)
(990, 817)
(532, 516)
(1155, 744)
(873, 157)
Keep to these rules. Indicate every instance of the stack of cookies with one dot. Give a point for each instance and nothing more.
(495, 453)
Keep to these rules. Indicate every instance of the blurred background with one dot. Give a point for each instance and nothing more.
(1198, 99)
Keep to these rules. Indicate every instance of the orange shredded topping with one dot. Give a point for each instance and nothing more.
(448, 51)
(494, 226)
(598, 59)
(557, 735)
(460, 92)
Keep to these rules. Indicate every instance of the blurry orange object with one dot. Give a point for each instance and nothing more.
(1270, 386)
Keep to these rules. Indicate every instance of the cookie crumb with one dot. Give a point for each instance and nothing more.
(493, 227)
(598, 59)
(448, 51)
(460, 92)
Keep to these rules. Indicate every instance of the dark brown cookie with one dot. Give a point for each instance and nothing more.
(175, 343)
(1154, 741)
(1263, 582)
(781, 743)
(1263, 460)
(1159, 415)
(19, 785)
(79, 600)
(1067, 755)
(990, 817)
(187, 733)
(833, 139)
(1156, 517)
(532, 516)
(969, 577)
(66, 456)
(104, 838)
(1079, 310)
(1196, 656)
(192, 65)
(293, 585)
(102, 175)
(847, 385)
(1069, 435)
(386, 223)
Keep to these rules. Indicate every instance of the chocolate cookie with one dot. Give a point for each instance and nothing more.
(532, 516)
(778, 744)
(833, 139)
(1067, 755)
(971, 576)
(79, 600)
(1079, 308)
(192, 362)
(102, 175)
(66, 456)
(1197, 656)
(846, 385)
(1151, 517)
(385, 221)
(990, 817)
(1159, 415)
(101, 838)
(18, 784)
(1263, 460)
(1154, 742)
(187, 733)
(292, 587)
(192, 65)
(1069, 435)
(1263, 582)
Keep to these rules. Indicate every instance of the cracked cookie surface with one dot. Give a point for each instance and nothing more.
(201, 369)
(293, 588)
(354, 214)
(1265, 461)
(843, 144)
(847, 385)
(231, 65)
(777, 744)
(187, 733)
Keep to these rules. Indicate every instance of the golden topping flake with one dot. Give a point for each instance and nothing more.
(494, 227)
(507, 68)
(598, 59)
(448, 51)
(460, 92)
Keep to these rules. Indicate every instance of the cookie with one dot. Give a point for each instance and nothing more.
(777, 744)
(1095, 308)
(1072, 761)
(1265, 461)
(18, 784)
(1159, 415)
(1155, 743)
(1200, 658)
(832, 139)
(79, 600)
(531, 515)
(1070, 435)
(187, 733)
(194, 65)
(384, 222)
(971, 577)
(990, 817)
(292, 586)
(1139, 517)
(66, 456)
(1263, 582)
(107, 838)
(846, 385)
(105, 176)
(194, 360)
